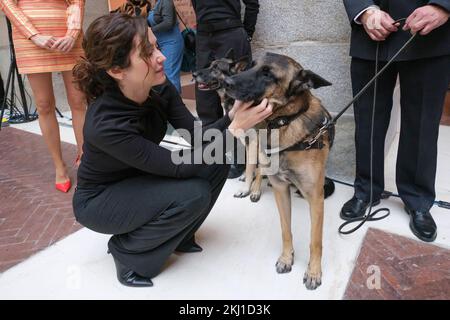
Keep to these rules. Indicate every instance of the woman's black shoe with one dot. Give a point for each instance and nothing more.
(236, 170)
(422, 225)
(189, 247)
(129, 278)
(355, 208)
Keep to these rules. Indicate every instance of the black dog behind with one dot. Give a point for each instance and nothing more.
(213, 76)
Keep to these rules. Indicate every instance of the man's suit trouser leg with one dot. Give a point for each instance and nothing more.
(423, 85)
(208, 107)
(361, 72)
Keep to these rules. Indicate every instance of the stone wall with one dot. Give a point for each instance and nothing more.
(316, 34)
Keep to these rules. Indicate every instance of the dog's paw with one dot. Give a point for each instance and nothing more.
(242, 178)
(284, 266)
(312, 280)
(242, 193)
(255, 196)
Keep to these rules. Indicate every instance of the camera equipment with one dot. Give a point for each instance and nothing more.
(16, 114)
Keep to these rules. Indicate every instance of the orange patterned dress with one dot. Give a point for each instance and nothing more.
(57, 18)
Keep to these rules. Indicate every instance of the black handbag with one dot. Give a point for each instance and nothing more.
(189, 37)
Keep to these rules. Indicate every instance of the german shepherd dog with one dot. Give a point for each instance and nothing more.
(298, 115)
(135, 8)
(212, 78)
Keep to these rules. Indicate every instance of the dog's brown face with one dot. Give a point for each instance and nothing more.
(272, 76)
(212, 77)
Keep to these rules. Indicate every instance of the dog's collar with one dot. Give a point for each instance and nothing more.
(283, 120)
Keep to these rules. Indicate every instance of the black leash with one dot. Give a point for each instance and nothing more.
(387, 194)
(370, 216)
(377, 73)
(311, 140)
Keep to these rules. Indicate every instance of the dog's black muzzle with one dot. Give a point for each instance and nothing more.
(242, 89)
(204, 84)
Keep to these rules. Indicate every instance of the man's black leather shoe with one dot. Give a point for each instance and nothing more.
(355, 208)
(422, 225)
(236, 170)
(129, 278)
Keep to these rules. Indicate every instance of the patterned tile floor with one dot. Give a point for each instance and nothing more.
(390, 266)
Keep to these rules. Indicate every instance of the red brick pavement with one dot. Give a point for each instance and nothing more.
(33, 214)
(408, 269)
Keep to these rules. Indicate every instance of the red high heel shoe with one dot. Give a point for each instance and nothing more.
(64, 187)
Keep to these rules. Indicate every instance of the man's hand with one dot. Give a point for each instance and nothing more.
(425, 19)
(378, 24)
(42, 41)
(64, 44)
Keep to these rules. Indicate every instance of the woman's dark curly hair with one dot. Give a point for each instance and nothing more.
(108, 43)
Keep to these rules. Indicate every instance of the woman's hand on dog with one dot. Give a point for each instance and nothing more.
(244, 116)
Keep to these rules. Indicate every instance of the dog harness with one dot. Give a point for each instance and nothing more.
(312, 141)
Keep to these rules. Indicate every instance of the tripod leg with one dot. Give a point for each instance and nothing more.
(22, 96)
(2, 89)
(8, 82)
(59, 113)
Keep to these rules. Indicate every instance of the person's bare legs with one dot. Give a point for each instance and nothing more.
(77, 103)
(42, 87)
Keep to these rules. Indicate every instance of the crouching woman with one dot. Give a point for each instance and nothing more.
(128, 185)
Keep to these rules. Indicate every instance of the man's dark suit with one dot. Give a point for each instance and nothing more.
(424, 72)
(435, 44)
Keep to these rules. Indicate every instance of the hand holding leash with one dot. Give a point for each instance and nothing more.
(378, 24)
(425, 19)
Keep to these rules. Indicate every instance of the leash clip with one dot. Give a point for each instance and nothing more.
(322, 130)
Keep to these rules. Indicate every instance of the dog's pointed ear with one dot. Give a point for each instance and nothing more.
(310, 80)
(242, 64)
(306, 80)
(230, 54)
